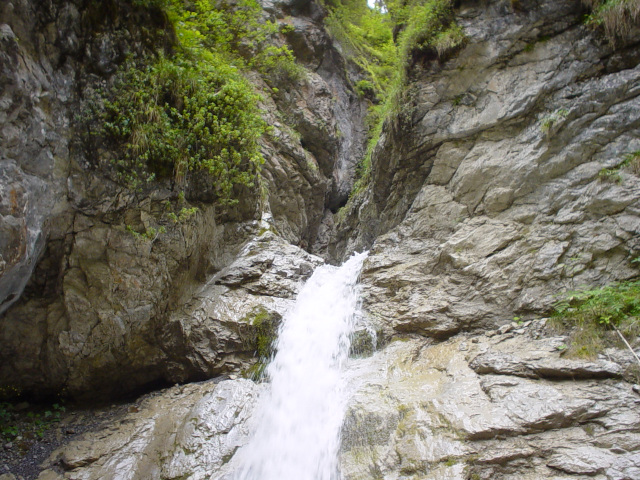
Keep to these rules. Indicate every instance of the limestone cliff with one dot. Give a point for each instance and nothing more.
(489, 192)
(90, 302)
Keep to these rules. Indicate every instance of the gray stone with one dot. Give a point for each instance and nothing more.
(186, 432)
(422, 407)
(488, 206)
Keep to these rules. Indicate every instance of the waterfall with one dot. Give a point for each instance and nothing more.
(297, 432)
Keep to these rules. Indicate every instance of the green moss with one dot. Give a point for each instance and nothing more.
(261, 339)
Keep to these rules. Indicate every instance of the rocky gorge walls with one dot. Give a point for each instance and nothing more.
(501, 182)
(94, 274)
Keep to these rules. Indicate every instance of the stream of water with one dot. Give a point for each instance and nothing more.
(298, 421)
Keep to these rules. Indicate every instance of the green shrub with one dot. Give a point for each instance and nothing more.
(174, 117)
(193, 112)
(590, 314)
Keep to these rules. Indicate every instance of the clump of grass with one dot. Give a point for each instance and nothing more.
(549, 121)
(262, 340)
(630, 163)
(616, 17)
(592, 316)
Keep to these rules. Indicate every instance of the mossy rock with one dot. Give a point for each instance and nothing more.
(261, 338)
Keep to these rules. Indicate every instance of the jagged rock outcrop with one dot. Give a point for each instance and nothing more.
(214, 331)
(97, 314)
(218, 330)
(490, 192)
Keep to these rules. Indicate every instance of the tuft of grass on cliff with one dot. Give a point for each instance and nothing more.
(616, 17)
(592, 315)
(191, 112)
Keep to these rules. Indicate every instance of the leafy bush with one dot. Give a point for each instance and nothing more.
(193, 110)
(174, 116)
(592, 313)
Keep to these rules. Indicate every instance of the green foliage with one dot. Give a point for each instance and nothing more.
(367, 35)
(428, 25)
(150, 233)
(365, 88)
(183, 215)
(549, 121)
(237, 30)
(194, 112)
(176, 116)
(262, 340)
(30, 424)
(616, 17)
(591, 313)
(630, 163)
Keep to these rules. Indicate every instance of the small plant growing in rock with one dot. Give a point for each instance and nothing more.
(150, 233)
(592, 315)
(261, 340)
(549, 121)
(630, 163)
(31, 423)
(183, 215)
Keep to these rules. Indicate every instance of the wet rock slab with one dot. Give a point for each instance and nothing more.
(500, 407)
(183, 432)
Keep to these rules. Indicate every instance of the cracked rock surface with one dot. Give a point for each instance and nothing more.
(459, 409)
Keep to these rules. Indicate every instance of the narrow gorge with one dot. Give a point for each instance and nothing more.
(173, 172)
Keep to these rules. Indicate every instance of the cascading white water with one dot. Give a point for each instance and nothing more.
(299, 419)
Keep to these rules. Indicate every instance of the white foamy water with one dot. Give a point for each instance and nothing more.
(298, 421)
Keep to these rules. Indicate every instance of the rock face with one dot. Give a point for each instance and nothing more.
(95, 308)
(213, 332)
(218, 330)
(33, 140)
(183, 432)
(460, 410)
(500, 184)
(453, 410)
